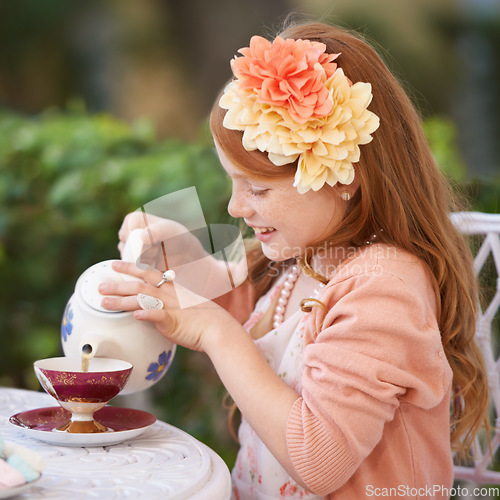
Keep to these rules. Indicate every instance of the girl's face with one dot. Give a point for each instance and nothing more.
(285, 221)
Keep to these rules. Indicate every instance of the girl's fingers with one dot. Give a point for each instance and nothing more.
(122, 295)
(157, 228)
(164, 229)
(151, 276)
(133, 220)
(122, 288)
(158, 316)
(120, 303)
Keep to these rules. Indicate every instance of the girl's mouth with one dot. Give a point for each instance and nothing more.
(264, 233)
(264, 230)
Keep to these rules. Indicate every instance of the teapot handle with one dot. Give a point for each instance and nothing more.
(133, 246)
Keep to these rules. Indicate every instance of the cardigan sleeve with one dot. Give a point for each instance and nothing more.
(377, 345)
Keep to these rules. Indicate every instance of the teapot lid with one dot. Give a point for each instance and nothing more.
(88, 283)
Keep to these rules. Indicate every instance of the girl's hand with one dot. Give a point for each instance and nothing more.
(186, 318)
(264, 399)
(161, 238)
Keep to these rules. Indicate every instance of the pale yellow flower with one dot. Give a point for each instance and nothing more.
(325, 147)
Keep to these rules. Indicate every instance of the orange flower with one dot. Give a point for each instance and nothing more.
(288, 74)
(292, 102)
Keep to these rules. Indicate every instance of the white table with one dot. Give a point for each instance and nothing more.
(162, 463)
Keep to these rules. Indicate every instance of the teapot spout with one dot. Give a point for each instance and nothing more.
(87, 355)
(88, 350)
(97, 345)
(88, 346)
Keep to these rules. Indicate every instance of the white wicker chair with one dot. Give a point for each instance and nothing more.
(487, 225)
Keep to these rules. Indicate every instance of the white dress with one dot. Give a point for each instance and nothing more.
(257, 474)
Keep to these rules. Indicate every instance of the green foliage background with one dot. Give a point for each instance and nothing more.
(67, 179)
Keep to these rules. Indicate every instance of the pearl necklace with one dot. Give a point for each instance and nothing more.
(286, 290)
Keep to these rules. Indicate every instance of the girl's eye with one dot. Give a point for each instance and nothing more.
(258, 191)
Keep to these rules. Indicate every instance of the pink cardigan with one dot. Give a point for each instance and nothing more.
(373, 417)
(374, 411)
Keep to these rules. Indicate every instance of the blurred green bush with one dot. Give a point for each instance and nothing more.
(474, 193)
(67, 180)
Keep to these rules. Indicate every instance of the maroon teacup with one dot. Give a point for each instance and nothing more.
(82, 392)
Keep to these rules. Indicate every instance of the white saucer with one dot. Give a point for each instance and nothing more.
(17, 490)
(41, 424)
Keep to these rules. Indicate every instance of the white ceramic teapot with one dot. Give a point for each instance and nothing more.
(88, 327)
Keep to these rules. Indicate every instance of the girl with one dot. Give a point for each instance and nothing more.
(362, 291)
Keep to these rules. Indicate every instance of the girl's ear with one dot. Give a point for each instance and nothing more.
(347, 191)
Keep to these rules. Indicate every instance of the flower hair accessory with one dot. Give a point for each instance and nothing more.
(292, 101)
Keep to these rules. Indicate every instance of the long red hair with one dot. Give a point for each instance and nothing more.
(405, 200)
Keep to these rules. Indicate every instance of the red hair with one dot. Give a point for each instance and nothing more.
(404, 199)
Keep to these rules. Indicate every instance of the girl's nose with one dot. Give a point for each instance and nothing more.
(238, 205)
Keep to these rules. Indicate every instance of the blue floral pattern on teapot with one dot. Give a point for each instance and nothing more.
(157, 369)
(67, 323)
